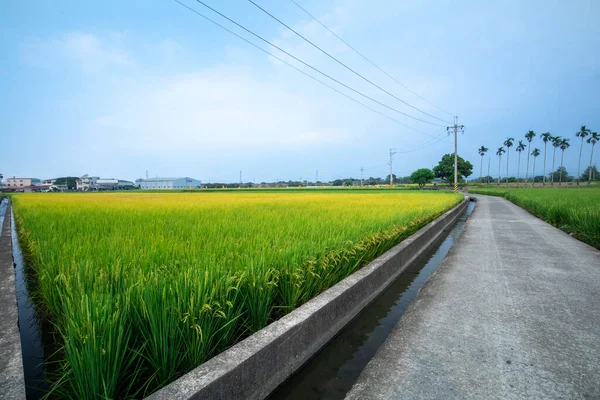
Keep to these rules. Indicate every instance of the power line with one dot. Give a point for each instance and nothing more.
(368, 60)
(431, 142)
(299, 70)
(344, 65)
(308, 65)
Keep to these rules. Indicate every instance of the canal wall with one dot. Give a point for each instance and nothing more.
(256, 366)
(12, 382)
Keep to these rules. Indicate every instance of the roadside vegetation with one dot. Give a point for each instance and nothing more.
(141, 288)
(573, 210)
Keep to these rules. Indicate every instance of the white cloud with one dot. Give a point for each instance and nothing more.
(220, 106)
(91, 52)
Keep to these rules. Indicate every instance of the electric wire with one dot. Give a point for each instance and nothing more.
(431, 142)
(344, 65)
(368, 60)
(299, 70)
(310, 66)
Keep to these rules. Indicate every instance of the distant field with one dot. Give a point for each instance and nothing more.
(142, 287)
(575, 210)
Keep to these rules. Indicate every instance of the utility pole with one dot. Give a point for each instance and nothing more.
(456, 128)
(361, 176)
(240, 177)
(392, 152)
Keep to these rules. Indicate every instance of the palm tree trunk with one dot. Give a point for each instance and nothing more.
(545, 154)
(519, 169)
(591, 171)
(507, 158)
(499, 166)
(579, 165)
(562, 156)
(481, 170)
(552, 172)
(487, 178)
(533, 173)
(527, 170)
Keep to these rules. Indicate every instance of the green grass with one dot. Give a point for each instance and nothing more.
(575, 210)
(141, 288)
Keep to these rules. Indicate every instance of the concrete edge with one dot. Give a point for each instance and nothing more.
(12, 378)
(256, 366)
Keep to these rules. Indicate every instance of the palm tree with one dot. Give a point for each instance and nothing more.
(529, 136)
(508, 143)
(520, 148)
(482, 150)
(535, 153)
(546, 137)
(499, 154)
(593, 139)
(564, 144)
(556, 144)
(582, 133)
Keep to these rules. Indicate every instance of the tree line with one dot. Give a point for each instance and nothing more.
(557, 142)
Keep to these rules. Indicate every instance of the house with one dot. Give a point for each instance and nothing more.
(14, 182)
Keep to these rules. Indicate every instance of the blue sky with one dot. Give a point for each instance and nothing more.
(115, 88)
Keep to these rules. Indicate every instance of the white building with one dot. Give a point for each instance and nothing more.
(22, 182)
(88, 183)
(168, 183)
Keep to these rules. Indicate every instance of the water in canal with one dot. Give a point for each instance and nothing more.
(32, 345)
(333, 371)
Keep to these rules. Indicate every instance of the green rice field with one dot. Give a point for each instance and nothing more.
(575, 210)
(140, 288)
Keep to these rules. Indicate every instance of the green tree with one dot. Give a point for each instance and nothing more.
(529, 136)
(582, 133)
(546, 137)
(535, 153)
(445, 169)
(520, 148)
(508, 144)
(564, 144)
(422, 176)
(482, 150)
(387, 178)
(70, 181)
(590, 173)
(556, 144)
(499, 154)
(593, 139)
(560, 174)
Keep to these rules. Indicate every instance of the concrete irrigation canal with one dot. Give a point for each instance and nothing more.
(12, 383)
(333, 371)
(512, 312)
(485, 302)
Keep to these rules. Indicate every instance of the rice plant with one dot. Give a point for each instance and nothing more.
(143, 287)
